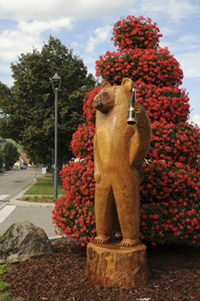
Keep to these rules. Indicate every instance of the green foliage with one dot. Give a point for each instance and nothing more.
(4, 286)
(2, 145)
(10, 155)
(3, 142)
(28, 107)
(4, 270)
(17, 145)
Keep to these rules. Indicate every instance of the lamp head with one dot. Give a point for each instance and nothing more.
(56, 82)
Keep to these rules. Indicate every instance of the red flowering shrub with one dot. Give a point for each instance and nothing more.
(169, 103)
(89, 111)
(170, 176)
(175, 182)
(73, 214)
(135, 33)
(149, 66)
(165, 221)
(82, 141)
(175, 143)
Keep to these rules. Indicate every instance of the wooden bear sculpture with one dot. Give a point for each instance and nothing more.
(119, 151)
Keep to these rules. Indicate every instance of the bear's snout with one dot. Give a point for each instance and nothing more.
(97, 102)
(103, 102)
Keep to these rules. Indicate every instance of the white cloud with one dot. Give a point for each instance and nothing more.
(101, 34)
(13, 43)
(75, 45)
(51, 9)
(196, 119)
(185, 43)
(28, 35)
(190, 63)
(41, 26)
(186, 50)
(176, 10)
(33, 18)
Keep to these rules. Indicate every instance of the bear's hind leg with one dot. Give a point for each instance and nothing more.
(129, 242)
(105, 214)
(102, 239)
(128, 208)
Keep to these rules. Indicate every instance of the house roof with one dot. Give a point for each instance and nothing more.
(23, 156)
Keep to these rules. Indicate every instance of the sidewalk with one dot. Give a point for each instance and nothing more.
(40, 214)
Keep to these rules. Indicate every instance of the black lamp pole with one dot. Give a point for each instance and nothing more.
(56, 83)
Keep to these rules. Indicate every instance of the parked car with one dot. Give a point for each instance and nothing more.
(23, 166)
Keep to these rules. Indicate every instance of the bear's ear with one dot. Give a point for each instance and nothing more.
(106, 84)
(127, 83)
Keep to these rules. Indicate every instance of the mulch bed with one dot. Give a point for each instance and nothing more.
(174, 274)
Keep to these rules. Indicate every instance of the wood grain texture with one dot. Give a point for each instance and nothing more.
(111, 265)
(119, 151)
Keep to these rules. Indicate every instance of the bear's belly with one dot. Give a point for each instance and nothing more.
(112, 152)
(104, 148)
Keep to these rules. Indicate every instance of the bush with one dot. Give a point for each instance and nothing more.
(74, 211)
(10, 155)
(170, 175)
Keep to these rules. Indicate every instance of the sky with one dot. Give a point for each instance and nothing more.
(86, 27)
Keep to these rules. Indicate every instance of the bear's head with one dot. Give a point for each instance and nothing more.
(110, 96)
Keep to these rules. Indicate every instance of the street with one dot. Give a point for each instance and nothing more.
(14, 181)
(12, 185)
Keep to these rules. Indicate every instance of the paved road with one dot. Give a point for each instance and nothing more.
(13, 182)
(12, 186)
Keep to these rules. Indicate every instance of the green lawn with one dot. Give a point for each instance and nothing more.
(44, 186)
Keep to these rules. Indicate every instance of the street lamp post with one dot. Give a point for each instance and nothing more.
(56, 82)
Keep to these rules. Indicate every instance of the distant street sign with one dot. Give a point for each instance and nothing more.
(44, 170)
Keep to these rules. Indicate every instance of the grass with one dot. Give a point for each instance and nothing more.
(44, 186)
(4, 270)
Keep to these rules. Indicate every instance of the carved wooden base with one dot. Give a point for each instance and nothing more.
(111, 265)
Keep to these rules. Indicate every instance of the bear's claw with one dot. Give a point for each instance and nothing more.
(102, 239)
(129, 243)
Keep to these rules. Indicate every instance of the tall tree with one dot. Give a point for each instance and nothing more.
(10, 155)
(29, 119)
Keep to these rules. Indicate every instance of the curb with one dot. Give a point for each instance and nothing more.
(31, 204)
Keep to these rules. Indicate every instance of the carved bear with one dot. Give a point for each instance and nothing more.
(119, 151)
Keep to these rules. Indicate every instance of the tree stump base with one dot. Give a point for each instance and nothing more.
(111, 265)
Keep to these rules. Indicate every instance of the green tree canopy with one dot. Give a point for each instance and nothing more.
(10, 155)
(28, 108)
